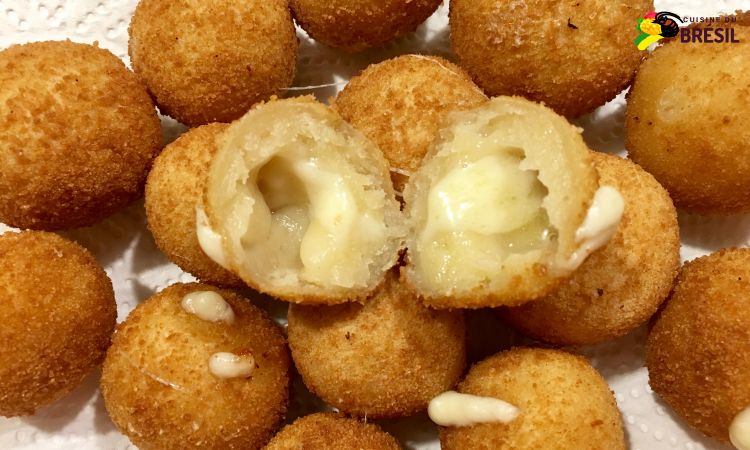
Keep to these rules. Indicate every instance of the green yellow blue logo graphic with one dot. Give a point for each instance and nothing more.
(656, 26)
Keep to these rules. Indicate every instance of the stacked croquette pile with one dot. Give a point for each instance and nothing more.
(426, 188)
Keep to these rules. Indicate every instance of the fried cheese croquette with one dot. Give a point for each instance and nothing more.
(356, 25)
(400, 103)
(504, 207)
(58, 312)
(563, 403)
(197, 367)
(620, 286)
(174, 199)
(303, 204)
(573, 56)
(698, 351)
(211, 61)
(686, 123)
(325, 431)
(385, 358)
(78, 133)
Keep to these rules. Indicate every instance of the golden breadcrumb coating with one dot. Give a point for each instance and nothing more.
(173, 191)
(211, 61)
(158, 388)
(620, 286)
(698, 351)
(564, 404)
(386, 358)
(324, 431)
(57, 310)
(355, 25)
(78, 133)
(400, 104)
(686, 122)
(573, 56)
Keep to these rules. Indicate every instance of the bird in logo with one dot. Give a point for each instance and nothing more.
(656, 26)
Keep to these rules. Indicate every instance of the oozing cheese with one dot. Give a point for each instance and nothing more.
(480, 209)
(453, 409)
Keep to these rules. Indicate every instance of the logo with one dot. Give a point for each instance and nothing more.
(656, 26)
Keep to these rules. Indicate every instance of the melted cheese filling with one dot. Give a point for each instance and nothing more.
(311, 221)
(739, 430)
(209, 306)
(482, 208)
(453, 409)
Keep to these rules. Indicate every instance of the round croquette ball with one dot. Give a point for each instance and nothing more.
(211, 61)
(324, 431)
(620, 286)
(177, 378)
(58, 312)
(174, 190)
(572, 56)
(386, 358)
(564, 404)
(698, 351)
(686, 123)
(400, 104)
(78, 133)
(355, 25)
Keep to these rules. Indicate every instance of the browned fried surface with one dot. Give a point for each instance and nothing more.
(211, 61)
(157, 387)
(57, 310)
(687, 122)
(332, 432)
(355, 25)
(386, 358)
(173, 190)
(77, 135)
(400, 103)
(698, 352)
(573, 56)
(565, 404)
(620, 286)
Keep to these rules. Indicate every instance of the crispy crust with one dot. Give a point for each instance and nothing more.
(400, 103)
(58, 312)
(173, 190)
(364, 155)
(211, 61)
(356, 25)
(573, 56)
(698, 351)
(78, 133)
(341, 354)
(565, 404)
(325, 431)
(621, 285)
(565, 168)
(159, 392)
(688, 129)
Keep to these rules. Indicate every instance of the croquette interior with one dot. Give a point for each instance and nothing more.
(304, 202)
(496, 199)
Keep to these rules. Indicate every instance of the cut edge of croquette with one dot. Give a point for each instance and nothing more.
(568, 190)
(311, 293)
